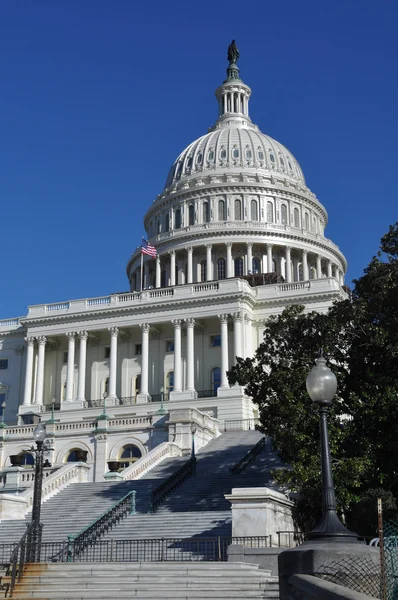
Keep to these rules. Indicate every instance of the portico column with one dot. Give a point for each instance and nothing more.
(269, 258)
(177, 356)
(157, 282)
(81, 388)
(70, 369)
(237, 317)
(172, 267)
(190, 269)
(224, 350)
(40, 369)
(190, 355)
(229, 259)
(145, 359)
(288, 264)
(114, 331)
(306, 275)
(318, 267)
(249, 257)
(341, 277)
(209, 264)
(27, 398)
(330, 274)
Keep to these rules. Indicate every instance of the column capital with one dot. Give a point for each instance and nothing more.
(288, 248)
(223, 318)
(228, 244)
(158, 258)
(270, 245)
(189, 249)
(172, 252)
(249, 244)
(190, 322)
(247, 319)
(30, 341)
(71, 335)
(114, 331)
(145, 327)
(209, 246)
(305, 252)
(83, 335)
(19, 350)
(237, 317)
(177, 323)
(42, 340)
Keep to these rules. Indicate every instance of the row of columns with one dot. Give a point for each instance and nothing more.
(266, 264)
(114, 333)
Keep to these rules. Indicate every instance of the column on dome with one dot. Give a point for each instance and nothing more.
(229, 270)
(329, 267)
(158, 273)
(30, 343)
(114, 332)
(189, 265)
(81, 387)
(224, 350)
(296, 275)
(70, 368)
(305, 266)
(249, 258)
(209, 264)
(172, 267)
(318, 266)
(238, 350)
(341, 277)
(269, 258)
(42, 340)
(288, 264)
(143, 395)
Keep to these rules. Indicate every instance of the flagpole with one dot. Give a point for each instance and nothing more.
(142, 265)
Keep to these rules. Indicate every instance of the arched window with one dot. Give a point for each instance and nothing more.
(306, 221)
(136, 385)
(221, 210)
(223, 153)
(260, 155)
(169, 382)
(238, 210)
(235, 153)
(167, 223)
(312, 273)
(206, 212)
(76, 455)
(272, 157)
(129, 455)
(203, 270)
(221, 268)
(105, 386)
(26, 459)
(210, 156)
(189, 162)
(177, 219)
(254, 210)
(191, 214)
(296, 217)
(215, 379)
(248, 154)
(270, 212)
(238, 267)
(179, 170)
(199, 158)
(284, 214)
(256, 267)
(282, 161)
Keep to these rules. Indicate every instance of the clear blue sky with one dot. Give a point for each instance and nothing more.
(98, 98)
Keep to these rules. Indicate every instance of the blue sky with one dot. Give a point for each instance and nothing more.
(98, 98)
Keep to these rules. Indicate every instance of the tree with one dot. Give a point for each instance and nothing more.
(359, 336)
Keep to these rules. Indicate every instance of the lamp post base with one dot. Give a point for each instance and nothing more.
(331, 529)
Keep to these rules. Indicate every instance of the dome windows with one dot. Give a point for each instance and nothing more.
(282, 161)
(189, 162)
(177, 223)
(248, 153)
(254, 210)
(179, 170)
(235, 153)
(199, 158)
(223, 153)
(210, 155)
(206, 212)
(260, 155)
(272, 158)
(221, 268)
(284, 214)
(191, 214)
(296, 216)
(238, 210)
(270, 212)
(221, 210)
(290, 165)
(238, 267)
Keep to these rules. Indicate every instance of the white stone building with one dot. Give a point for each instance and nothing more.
(239, 236)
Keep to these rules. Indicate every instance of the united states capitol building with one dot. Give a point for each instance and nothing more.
(239, 236)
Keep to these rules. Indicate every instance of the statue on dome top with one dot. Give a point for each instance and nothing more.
(233, 53)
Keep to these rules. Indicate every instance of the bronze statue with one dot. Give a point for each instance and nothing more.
(233, 53)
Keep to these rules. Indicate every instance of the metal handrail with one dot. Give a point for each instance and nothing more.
(19, 557)
(240, 424)
(171, 483)
(248, 457)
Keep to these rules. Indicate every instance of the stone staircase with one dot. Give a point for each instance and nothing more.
(111, 581)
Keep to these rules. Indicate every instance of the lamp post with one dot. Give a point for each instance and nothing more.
(161, 410)
(321, 387)
(39, 435)
(193, 456)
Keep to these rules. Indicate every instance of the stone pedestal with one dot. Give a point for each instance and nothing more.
(113, 476)
(13, 478)
(317, 558)
(75, 405)
(143, 398)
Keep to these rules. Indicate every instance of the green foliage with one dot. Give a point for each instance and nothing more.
(359, 336)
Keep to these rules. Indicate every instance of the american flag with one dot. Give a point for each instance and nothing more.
(148, 249)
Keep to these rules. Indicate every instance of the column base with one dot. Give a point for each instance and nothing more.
(184, 395)
(112, 401)
(235, 391)
(143, 398)
(74, 405)
(112, 476)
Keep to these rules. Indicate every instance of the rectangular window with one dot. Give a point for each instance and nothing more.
(3, 363)
(107, 352)
(215, 340)
(169, 345)
(138, 349)
(65, 358)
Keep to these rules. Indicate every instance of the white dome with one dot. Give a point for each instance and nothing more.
(236, 146)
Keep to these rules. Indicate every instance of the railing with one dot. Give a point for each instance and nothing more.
(293, 539)
(9, 322)
(127, 400)
(98, 301)
(207, 393)
(78, 543)
(19, 557)
(57, 306)
(150, 460)
(240, 424)
(171, 483)
(48, 407)
(158, 397)
(150, 550)
(240, 466)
